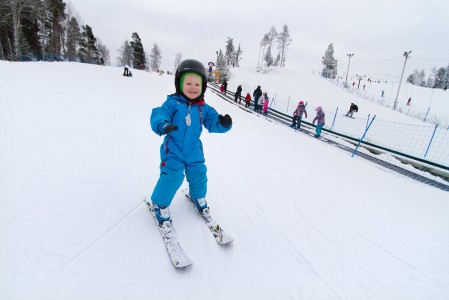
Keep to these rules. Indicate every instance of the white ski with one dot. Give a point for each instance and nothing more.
(220, 236)
(177, 255)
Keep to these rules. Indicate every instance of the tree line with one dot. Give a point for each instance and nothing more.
(133, 54)
(438, 78)
(51, 30)
(48, 30)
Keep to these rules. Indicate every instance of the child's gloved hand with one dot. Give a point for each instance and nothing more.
(225, 120)
(169, 128)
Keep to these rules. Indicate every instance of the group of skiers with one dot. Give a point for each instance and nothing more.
(261, 101)
(301, 111)
(224, 87)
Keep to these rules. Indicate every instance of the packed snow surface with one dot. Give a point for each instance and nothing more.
(77, 158)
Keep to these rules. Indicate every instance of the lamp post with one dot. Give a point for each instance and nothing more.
(349, 55)
(406, 54)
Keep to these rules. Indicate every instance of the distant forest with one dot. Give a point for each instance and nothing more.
(48, 30)
(438, 78)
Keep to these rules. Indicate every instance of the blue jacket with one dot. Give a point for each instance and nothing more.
(184, 144)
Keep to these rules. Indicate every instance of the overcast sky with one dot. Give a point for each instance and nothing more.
(377, 32)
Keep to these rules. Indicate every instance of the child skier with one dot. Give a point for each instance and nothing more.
(320, 121)
(261, 101)
(265, 106)
(297, 114)
(247, 100)
(181, 118)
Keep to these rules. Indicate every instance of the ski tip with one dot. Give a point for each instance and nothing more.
(224, 240)
(181, 265)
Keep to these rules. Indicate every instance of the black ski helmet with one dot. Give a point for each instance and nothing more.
(191, 66)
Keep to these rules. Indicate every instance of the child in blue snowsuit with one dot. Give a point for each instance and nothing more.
(181, 118)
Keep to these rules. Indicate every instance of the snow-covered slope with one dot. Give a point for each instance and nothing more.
(77, 158)
(288, 87)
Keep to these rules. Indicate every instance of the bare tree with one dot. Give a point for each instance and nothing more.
(103, 51)
(155, 57)
(126, 54)
(178, 59)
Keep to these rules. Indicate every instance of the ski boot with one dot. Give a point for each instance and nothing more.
(163, 217)
(203, 209)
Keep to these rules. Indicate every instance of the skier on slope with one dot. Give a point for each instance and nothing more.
(297, 114)
(353, 108)
(238, 94)
(320, 121)
(181, 118)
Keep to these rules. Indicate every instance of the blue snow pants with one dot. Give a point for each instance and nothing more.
(318, 129)
(172, 176)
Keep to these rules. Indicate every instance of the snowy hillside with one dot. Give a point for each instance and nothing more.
(307, 86)
(77, 158)
(402, 130)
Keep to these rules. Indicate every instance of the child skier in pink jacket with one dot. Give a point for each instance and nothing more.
(265, 106)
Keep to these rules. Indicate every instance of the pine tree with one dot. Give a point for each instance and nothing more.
(30, 32)
(431, 80)
(413, 77)
(25, 49)
(439, 78)
(53, 29)
(73, 39)
(283, 40)
(220, 59)
(139, 61)
(263, 43)
(268, 57)
(155, 57)
(421, 80)
(88, 52)
(268, 41)
(230, 52)
(445, 83)
(222, 65)
(238, 56)
(329, 63)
